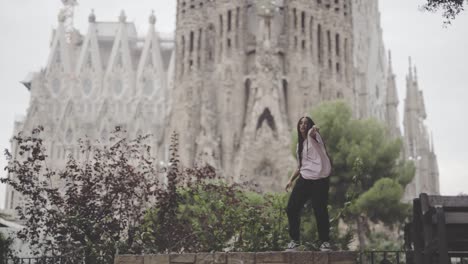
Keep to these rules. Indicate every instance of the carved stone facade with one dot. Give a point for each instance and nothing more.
(95, 82)
(233, 82)
(264, 65)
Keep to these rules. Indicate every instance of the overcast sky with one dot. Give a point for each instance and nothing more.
(439, 54)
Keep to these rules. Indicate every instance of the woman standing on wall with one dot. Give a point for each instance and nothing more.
(314, 168)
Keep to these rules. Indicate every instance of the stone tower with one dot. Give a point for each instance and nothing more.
(418, 144)
(247, 70)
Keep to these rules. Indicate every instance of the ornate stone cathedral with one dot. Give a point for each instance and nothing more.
(233, 81)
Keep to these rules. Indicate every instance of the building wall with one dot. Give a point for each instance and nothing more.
(254, 61)
(104, 78)
(233, 82)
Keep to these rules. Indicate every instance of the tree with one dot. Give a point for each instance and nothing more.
(90, 207)
(366, 166)
(450, 8)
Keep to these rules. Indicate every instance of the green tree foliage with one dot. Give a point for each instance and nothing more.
(450, 8)
(367, 168)
(112, 200)
(383, 202)
(224, 217)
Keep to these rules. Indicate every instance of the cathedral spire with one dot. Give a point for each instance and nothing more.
(122, 17)
(150, 72)
(60, 59)
(120, 72)
(152, 18)
(61, 17)
(89, 67)
(390, 67)
(92, 17)
(412, 94)
(392, 101)
(415, 74)
(392, 94)
(432, 143)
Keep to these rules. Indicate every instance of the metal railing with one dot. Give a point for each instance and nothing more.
(44, 260)
(396, 257)
(385, 257)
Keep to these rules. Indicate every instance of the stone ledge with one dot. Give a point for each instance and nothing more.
(304, 257)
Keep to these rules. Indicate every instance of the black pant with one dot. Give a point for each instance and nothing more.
(317, 190)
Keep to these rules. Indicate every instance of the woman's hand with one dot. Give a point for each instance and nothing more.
(288, 185)
(313, 131)
(291, 180)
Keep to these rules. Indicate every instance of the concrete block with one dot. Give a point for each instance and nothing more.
(321, 258)
(128, 259)
(342, 257)
(241, 258)
(272, 257)
(302, 257)
(220, 258)
(156, 259)
(183, 258)
(205, 258)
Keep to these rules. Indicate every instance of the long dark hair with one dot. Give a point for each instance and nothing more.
(300, 139)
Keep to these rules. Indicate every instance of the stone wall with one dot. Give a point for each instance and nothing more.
(342, 257)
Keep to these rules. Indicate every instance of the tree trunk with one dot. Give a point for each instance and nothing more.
(361, 230)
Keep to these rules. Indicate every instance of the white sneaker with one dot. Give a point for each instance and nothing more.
(325, 247)
(292, 246)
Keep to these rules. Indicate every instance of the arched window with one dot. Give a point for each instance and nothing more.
(182, 46)
(210, 42)
(311, 33)
(229, 21)
(89, 61)
(319, 44)
(237, 17)
(346, 50)
(246, 97)
(191, 41)
(295, 18)
(221, 25)
(285, 95)
(337, 44)
(200, 35)
(303, 21)
(266, 116)
(69, 136)
(58, 58)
